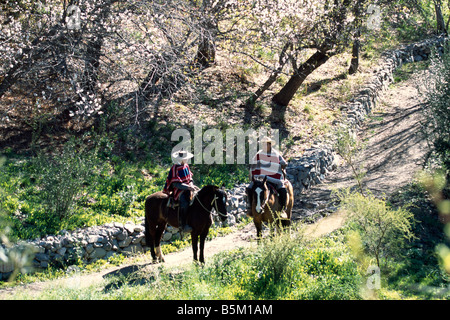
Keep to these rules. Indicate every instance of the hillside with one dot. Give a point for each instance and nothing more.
(88, 115)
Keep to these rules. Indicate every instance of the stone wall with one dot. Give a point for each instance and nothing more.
(102, 242)
(304, 171)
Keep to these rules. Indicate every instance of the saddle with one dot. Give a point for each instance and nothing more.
(173, 203)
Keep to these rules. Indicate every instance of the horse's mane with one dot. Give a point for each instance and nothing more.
(208, 189)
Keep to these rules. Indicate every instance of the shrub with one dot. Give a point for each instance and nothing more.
(286, 267)
(349, 147)
(437, 110)
(383, 230)
(62, 177)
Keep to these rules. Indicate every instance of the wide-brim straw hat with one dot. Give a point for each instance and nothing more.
(181, 155)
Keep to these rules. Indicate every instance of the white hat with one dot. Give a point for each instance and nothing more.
(180, 155)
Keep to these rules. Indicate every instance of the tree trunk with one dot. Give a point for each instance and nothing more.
(284, 58)
(441, 27)
(206, 51)
(93, 50)
(282, 98)
(354, 64)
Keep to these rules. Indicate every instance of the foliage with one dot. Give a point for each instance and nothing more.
(62, 177)
(348, 146)
(315, 270)
(284, 267)
(437, 112)
(436, 185)
(383, 230)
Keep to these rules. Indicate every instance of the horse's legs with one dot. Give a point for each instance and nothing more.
(150, 230)
(159, 232)
(202, 246)
(194, 238)
(258, 225)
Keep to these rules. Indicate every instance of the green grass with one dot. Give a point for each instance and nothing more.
(114, 190)
(290, 266)
(280, 268)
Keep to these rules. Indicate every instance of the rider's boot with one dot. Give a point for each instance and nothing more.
(185, 228)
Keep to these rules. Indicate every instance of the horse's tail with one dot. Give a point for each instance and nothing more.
(148, 237)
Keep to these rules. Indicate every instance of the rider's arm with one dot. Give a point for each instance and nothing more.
(182, 186)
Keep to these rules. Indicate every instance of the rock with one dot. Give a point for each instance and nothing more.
(89, 248)
(130, 228)
(135, 248)
(137, 238)
(62, 251)
(126, 242)
(42, 257)
(167, 236)
(98, 253)
(122, 235)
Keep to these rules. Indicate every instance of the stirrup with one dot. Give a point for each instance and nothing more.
(172, 203)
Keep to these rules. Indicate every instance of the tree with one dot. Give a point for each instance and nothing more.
(132, 53)
(291, 30)
(329, 38)
(437, 112)
(440, 22)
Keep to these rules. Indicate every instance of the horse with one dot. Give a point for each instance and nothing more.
(199, 217)
(265, 206)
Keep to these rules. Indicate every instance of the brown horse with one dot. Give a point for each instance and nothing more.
(265, 206)
(157, 216)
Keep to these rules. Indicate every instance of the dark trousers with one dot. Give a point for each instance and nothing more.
(185, 199)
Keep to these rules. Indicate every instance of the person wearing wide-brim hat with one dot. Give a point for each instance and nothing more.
(179, 183)
(268, 163)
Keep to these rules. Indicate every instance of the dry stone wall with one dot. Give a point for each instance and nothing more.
(310, 168)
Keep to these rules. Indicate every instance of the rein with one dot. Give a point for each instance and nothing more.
(275, 214)
(215, 205)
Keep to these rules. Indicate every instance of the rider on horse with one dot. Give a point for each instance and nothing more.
(268, 163)
(180, 181)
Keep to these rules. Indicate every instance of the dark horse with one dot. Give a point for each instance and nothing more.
(157, 216)
(265, 206)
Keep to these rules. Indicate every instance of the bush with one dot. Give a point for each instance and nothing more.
(286, 268)
(437, 110)
(383, 230)
(62, 177)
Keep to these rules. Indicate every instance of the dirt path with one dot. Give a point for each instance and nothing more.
(395, 149)
(394, 152)
(244, 238)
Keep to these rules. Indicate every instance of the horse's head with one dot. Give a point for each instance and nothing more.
(261, 194)
(213, 197)
(220, 202)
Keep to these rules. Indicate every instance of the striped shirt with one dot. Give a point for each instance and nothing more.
(268, 164)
